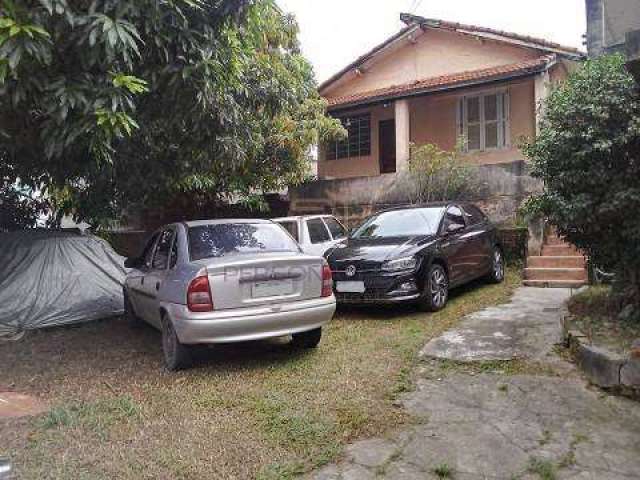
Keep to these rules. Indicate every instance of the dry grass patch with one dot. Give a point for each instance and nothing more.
(259, 410)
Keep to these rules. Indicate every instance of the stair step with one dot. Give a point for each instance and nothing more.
(555, 274)
(554, 240)
(560, 251)
(556, 262)
(554, 283)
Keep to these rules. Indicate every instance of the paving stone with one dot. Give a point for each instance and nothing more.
(357, 472)
(630, 373)
(526, 327)
(371, 453)
(485, 432)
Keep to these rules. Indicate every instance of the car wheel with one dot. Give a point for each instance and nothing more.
(309, 339)
(496, 275)
(436, 289)
(176, 355)
(129, 313)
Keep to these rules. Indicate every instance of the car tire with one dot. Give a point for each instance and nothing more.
(307, 340)
(176, 355)
(133, 320)
(436, 289)
(496, 275)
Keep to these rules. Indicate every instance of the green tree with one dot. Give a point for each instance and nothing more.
(587, 154)
(112, 105)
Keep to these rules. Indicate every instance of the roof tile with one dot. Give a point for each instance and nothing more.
(450, 80)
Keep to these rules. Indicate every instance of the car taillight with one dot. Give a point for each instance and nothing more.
(199, 295)
(327, 281)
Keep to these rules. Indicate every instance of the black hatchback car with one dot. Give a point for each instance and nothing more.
(416, 254)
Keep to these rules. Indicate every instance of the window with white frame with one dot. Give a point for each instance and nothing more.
(483, 121)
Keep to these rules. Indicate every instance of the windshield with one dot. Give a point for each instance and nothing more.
(219, 240)
(401, 223)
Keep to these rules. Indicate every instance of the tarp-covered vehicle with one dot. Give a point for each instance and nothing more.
(50, 278)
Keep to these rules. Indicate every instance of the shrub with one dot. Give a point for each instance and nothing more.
(435, 175)
(587, 155)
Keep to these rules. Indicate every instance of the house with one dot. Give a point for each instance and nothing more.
(435, 82)
(614, 26)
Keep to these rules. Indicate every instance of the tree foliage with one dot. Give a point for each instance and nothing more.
(587, 154)
(20, 210)
(123, 104)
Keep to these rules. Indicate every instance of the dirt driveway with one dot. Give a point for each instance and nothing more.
(246, 411)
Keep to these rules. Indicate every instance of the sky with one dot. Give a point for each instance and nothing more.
(333, 33)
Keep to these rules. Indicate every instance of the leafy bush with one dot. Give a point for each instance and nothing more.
(435, 175)
(587, 154)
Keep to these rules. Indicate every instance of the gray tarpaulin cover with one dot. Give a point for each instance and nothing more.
(52, 278)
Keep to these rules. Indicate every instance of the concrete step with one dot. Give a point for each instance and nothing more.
(556, 262)
(554, 283)
(555, 274)
(554, 240)
(560, 251)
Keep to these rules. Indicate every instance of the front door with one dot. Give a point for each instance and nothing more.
(387, 144)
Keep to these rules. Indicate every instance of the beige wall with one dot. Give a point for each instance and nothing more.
(433, 120)
(434, 53)
(358, 166)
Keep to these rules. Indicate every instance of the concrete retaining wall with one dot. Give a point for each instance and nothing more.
(503, 188)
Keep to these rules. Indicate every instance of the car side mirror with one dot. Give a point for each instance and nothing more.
(132, 263)
(454, 227)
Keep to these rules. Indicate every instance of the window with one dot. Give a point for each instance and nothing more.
(147, 253)
(483, 121)
(474, 215)
(335, 227)
(161, 257)
(318, 232)
(173, 259)
(358, 141)
(291, 226)
(223, 239)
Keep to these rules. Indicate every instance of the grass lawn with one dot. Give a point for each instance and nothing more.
(255, 410)
(595, 313)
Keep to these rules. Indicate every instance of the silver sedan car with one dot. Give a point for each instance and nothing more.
(224, 281)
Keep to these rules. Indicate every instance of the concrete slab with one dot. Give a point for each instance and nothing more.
(491, 426)
(14, 405)
(527, 327)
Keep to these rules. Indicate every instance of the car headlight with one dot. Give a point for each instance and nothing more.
(407, 263)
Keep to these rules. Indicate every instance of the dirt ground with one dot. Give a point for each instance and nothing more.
(259, 410)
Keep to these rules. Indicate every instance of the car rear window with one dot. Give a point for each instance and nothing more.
(291, 226)
(335, 227)
(219, 240)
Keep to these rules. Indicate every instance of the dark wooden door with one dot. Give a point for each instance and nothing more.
(387, 146)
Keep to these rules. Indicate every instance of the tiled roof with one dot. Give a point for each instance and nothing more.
(534, 41)
(413, 22)
(443, 82)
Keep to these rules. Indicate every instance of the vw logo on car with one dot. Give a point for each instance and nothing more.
(350, 271)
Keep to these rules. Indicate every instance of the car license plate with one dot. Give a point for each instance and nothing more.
(272, 288)
(350, 287)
